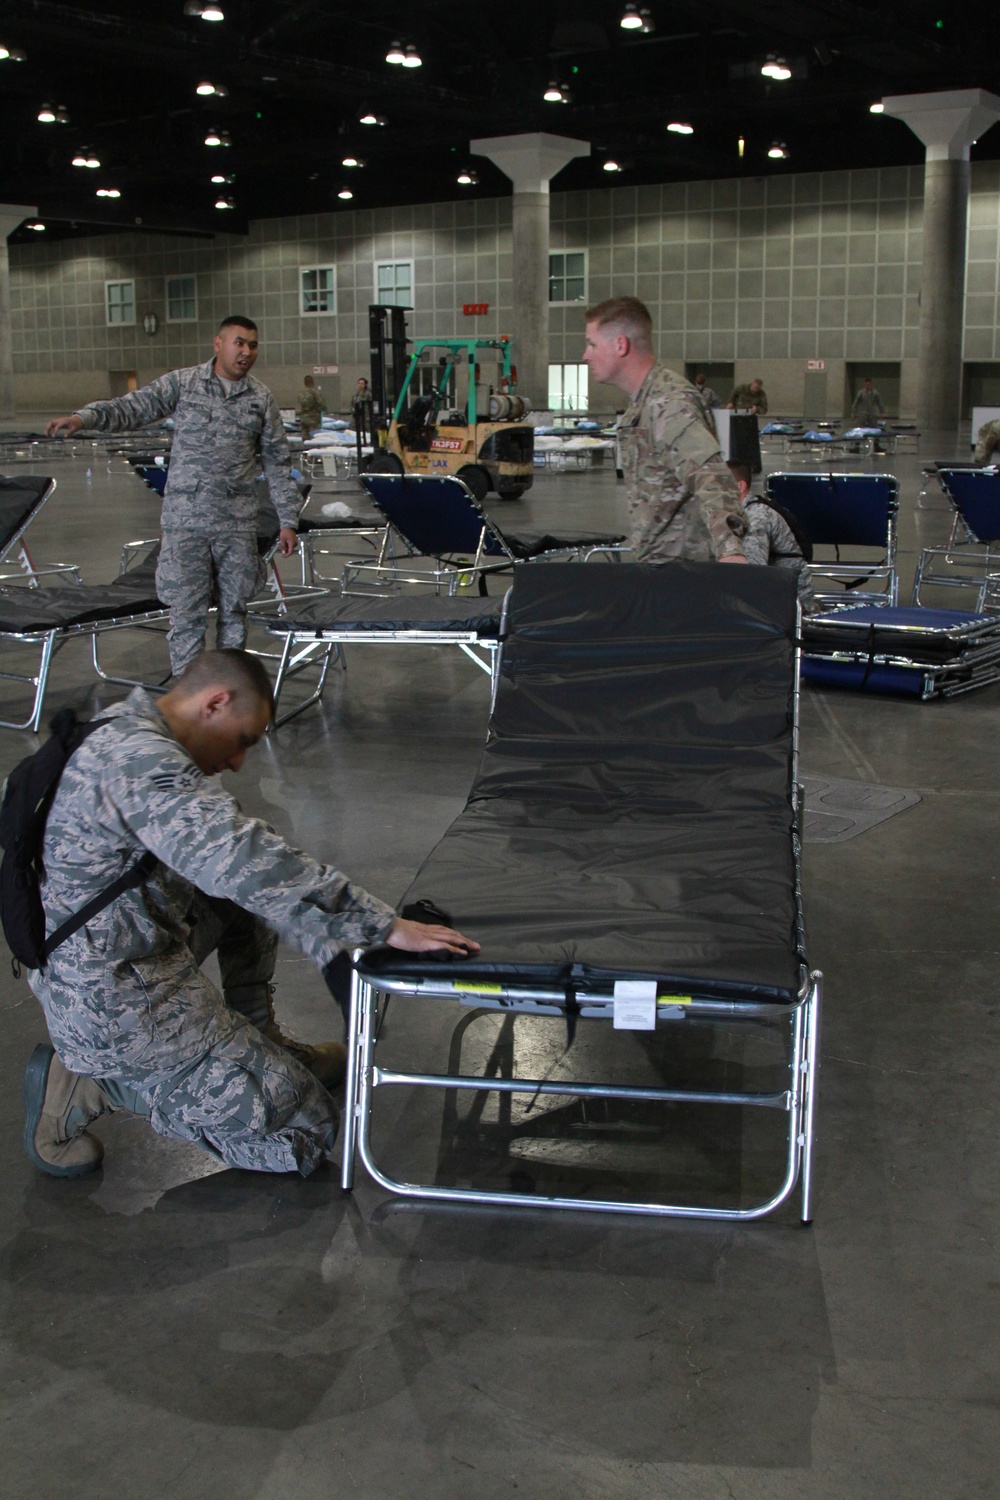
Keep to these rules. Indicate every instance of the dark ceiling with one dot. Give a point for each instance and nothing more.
(299, 73)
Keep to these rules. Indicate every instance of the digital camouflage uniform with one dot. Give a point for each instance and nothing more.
(708, 397)
(311, 409)
(683, 501)
(987, 441)
(209, 520)
(744, 399)
(124, 998)
(770, 541)
(867, 408)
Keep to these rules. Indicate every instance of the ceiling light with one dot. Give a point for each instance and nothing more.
(776, 68)
(218, 178)
(552, 95)
(35, 225)
(412, 58)
(62, 115)
(224, 203)
(205, 88)
(352, 161)
(86, 157)
(611, 165)
(16, 55)
(778, 151)
(370, 118)
(395, 54)
(631, 19)
(47, 114)
(679, 128)
(345, 193)
(213, 13)
(877, 108)
(204, 10)
(218, 138)
(467, 177)
(108, 193)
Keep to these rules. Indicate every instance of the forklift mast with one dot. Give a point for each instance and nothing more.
(387, 343)
(456, 351)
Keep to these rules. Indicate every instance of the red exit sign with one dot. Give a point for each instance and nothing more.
(475, 309)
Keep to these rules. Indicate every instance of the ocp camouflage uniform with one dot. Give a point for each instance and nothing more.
(683, 501)
(209, 519)
(867, 408)
(987, 441)
(744, 399)
(124, 998)
(311, 409)
(770, 542)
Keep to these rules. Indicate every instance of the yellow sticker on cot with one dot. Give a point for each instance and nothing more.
(674, 999)
(477, 989)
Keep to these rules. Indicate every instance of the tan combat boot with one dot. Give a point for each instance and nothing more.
(58, 1107)
(326, 1061)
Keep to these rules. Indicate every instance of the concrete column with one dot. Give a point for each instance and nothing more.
(947, 123)
(531, 161)
(11, 215)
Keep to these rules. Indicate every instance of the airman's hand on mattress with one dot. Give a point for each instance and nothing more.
(64, 426)
(421, 937)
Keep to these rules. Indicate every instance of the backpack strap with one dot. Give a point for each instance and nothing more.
(133, 876)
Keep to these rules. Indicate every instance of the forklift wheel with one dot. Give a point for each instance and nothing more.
(477, 479)
(383, 463)
(514, 493)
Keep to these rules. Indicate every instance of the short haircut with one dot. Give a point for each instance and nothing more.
(236, 321)
(237, 671)
(625, 315)
(740, 472)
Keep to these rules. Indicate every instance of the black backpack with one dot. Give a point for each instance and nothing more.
(27, 798)
(794, 525)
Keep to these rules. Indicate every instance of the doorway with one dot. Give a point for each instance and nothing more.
(980, 387)
(719, 376)
(885, 377)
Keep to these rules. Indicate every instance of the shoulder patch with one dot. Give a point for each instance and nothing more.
(185, 779)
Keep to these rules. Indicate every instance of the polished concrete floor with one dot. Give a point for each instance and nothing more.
(171, 1331)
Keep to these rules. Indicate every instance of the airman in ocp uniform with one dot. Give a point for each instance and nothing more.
(987, 442)
(683, 501)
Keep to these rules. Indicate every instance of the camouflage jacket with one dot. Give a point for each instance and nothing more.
(867, 407)
(744, 399)
(113, 992)
(682, 498)
(221, 442)
(987, 442)
(311, 405)
(771, 542)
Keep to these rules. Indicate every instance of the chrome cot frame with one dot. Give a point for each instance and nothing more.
(798, 1099)
(28, 570)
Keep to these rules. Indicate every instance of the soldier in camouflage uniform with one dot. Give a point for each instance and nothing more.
(750, 397)
(770, 541)
(227, 427)
(311, 408)
(987, 442)
(866, 408)
(135, 1023)
(682, 498)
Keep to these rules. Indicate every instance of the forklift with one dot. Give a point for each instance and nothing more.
(486, 441)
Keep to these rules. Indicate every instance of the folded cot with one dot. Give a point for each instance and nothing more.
(628, 855)
(20, 502)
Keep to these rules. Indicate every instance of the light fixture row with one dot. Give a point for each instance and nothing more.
(404, 57)
(634, 19)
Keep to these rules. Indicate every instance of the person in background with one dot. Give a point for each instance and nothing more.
(750, 397)
(771, 541)
(362, 411)
(709, 399)
(311, 408)
(866, 408)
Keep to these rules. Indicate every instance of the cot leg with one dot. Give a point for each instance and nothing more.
(282, 669)
(810, 1083)
(42, 681)
(351, 1086)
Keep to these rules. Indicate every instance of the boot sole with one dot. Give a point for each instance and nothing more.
(36, 1078)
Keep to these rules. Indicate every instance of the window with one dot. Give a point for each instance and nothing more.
(119, 302)
(568, 276)
(568, 387)
(318, 290)
(182, 299)
(394, 283)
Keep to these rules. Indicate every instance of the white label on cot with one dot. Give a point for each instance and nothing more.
(635, 1004)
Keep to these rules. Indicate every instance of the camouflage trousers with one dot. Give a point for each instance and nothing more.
(196, 570)
(242, 1097)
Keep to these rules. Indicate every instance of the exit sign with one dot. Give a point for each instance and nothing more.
(475, 309)
(326, 369)
(815, 364)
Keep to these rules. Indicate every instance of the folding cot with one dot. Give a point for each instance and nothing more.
(46, 618)
(20, 502)
(845, 510)
(315, 631)
(972, 563)
(905, 651)
(629, 853)
(440, 521)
